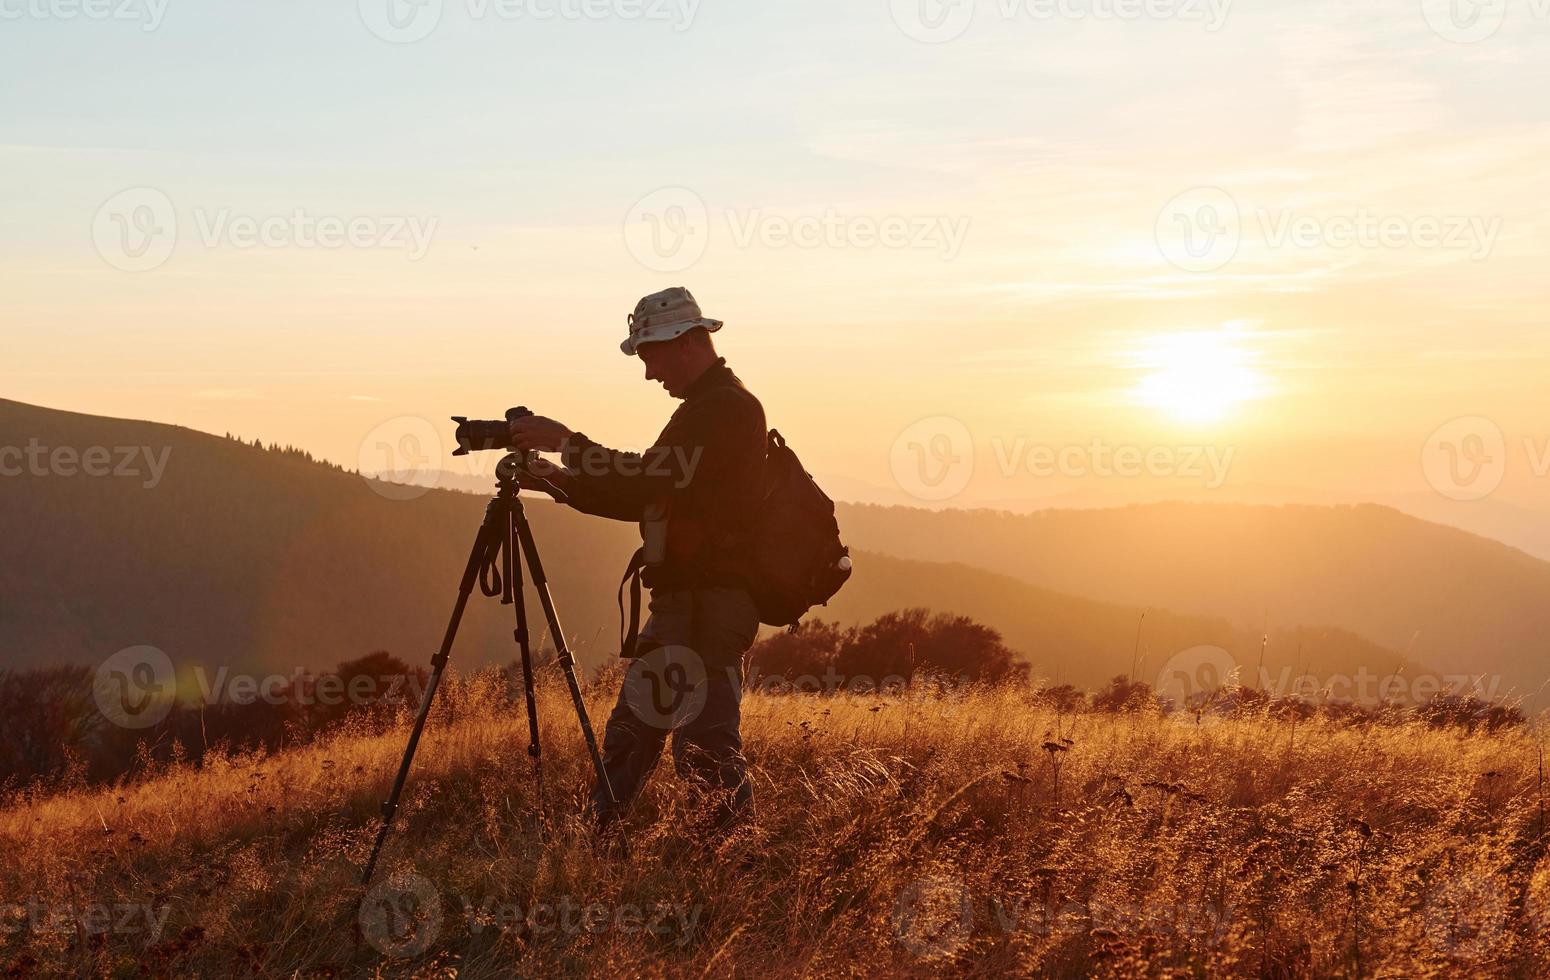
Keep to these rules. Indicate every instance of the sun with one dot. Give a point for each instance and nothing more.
(1197, 377)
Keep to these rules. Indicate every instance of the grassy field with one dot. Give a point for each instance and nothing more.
(973, 834)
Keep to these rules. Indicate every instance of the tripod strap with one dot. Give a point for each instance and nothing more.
(629, 638)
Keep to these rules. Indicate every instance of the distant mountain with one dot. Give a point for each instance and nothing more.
(258, 559)
(1455, 600)
(1509, 523)
(1086, 642)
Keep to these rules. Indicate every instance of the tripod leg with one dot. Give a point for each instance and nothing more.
(567, 662)
(517, 596)
(482, 542)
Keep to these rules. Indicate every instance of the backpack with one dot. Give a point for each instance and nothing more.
(798, 560)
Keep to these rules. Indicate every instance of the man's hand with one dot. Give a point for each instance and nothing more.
(537, 432)
(544, 477)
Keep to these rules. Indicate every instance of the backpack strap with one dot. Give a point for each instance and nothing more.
(628, 640)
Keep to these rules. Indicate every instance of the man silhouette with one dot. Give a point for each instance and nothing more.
(695, 493)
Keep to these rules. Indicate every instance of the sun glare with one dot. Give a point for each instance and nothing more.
(1196, 377)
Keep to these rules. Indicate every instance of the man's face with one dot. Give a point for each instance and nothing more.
(667, 362)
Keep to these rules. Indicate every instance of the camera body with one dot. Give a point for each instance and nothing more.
(480, 435)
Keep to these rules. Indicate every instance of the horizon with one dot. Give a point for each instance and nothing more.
(1505, 523)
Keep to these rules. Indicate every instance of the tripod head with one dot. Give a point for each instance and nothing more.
(515, 472)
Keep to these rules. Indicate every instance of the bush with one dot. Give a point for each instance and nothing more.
(894, 647)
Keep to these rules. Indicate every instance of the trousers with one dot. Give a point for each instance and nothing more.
(686, 683)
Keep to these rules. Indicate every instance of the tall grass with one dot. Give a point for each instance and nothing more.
(911, 833)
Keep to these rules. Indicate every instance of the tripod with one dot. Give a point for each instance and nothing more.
(497, 566)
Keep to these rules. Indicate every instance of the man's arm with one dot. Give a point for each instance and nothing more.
(548, 477)
(691, 441)
(616, 484)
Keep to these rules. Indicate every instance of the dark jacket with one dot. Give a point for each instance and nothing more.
(707, 465)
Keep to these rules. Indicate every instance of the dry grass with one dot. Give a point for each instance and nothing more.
(913, 835)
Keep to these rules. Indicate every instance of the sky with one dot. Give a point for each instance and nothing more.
(967, 253)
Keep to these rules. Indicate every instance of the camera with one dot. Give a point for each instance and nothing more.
(479, 435)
